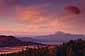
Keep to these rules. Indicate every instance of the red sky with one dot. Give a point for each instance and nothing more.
(30, 17)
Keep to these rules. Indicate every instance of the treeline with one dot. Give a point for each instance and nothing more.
(71, 48)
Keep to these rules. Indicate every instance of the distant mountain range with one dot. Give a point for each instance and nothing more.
(57, 38)
(6, 41)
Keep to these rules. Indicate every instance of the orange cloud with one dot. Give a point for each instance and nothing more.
(31, 16)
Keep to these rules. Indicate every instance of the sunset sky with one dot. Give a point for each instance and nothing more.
(39, 17)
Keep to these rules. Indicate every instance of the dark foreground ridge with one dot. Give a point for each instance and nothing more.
(71, 48)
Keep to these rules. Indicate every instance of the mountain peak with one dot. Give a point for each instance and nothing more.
(6, 38)
(60, 33)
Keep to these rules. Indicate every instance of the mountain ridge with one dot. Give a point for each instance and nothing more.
(58, 37)
(6, 41)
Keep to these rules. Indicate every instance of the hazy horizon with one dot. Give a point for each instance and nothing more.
(27, 35)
